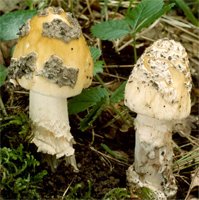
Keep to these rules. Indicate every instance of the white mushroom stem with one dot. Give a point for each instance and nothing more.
(51, 129)
(153, 157)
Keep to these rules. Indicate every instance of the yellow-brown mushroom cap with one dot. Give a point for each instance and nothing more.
(52, 56)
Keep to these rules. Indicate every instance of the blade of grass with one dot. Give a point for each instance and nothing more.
(113, 153)
(187, 11)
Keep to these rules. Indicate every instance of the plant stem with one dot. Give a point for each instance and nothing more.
(101, 82)
(134, 49)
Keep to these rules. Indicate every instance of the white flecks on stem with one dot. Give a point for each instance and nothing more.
(153, 156)
(51, 127)
(159, 91)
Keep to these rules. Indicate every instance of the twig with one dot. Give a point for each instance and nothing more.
(65, 192)
(109, 157)
(89, 8)
(191, 185)
(3, 107)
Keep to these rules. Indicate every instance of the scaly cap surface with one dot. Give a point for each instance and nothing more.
(160, 83)
(51, 56)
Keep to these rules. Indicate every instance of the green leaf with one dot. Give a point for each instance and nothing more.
(187, 11)
(142, 11)
(110, 30)
(11, 22)
(152, 19)
(93, 114)
(89, 97)
(3, 74)
(118, 94)
(95, 53)
(98, 64)
(145, 14)
(98, 67)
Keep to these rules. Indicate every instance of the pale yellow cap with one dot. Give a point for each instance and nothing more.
(160, 83)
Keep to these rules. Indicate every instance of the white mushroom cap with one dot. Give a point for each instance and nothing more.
(51, 56)
(160, 83)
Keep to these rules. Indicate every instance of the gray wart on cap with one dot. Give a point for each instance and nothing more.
(56, 72)
(60, 30)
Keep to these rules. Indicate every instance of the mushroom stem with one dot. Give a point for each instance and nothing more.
(51, 129)
(153, 157)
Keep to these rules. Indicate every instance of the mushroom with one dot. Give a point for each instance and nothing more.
(53, 61)
(158, 90)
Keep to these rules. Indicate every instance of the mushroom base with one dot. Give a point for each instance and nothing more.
(50, 126)
(153, 158)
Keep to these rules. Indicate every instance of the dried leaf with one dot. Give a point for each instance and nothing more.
(8, 5)
(194, 183)
(195, 179)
